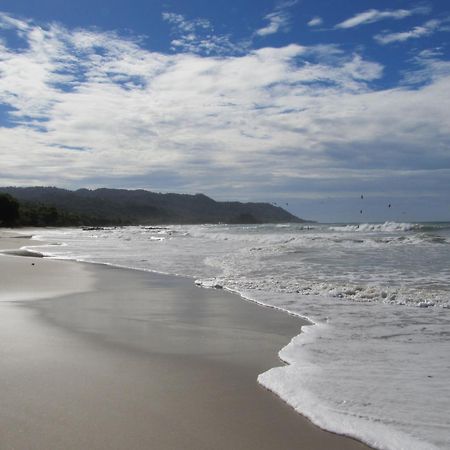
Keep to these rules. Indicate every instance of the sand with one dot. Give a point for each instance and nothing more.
(95, 357)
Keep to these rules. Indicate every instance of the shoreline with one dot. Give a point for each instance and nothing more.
(192, 354)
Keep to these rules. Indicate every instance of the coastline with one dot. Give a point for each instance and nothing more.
(130, 359)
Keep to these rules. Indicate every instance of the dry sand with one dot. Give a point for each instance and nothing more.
(121, 359)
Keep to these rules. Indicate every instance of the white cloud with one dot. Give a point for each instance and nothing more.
(187, 26)
(315, 22)
(430, 67)
(198, 36)
(9, 22)
(375, 15)
(426, 29)
(89, 105)
(278, 20)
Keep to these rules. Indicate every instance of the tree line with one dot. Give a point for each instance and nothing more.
(15, 213)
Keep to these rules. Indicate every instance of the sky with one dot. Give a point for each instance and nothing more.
(306, 104)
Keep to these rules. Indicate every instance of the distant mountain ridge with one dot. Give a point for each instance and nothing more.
(140, 207)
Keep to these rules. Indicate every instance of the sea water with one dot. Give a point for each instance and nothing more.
(375, 364)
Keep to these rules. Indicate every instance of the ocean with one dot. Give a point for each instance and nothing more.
(374, 364)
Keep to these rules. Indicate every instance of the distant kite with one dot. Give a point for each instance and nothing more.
(362, 196)
(360, 211)
(389, 205)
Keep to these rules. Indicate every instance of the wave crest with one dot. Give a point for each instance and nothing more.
(386, 226)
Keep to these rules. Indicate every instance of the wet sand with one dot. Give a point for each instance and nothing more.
(135, 360)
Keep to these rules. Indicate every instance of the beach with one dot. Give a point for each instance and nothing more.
(105, 358)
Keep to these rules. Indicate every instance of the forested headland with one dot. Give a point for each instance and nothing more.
(51, 206)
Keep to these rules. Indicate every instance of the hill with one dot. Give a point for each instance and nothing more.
(138, 207)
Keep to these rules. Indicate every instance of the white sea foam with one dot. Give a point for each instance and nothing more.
(292, 382)
(386, 226)
(375, 364)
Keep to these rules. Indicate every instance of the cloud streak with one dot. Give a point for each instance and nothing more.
(315, 22)
(375, 15)
(278, 20)
(426, 29)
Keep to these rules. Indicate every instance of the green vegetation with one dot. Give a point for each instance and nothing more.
(41, 215)
(14, 213)
(9, 210)
(50, 206)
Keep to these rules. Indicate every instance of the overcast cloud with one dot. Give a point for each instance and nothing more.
(87, 105)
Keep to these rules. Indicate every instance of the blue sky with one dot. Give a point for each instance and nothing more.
(305, 103)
